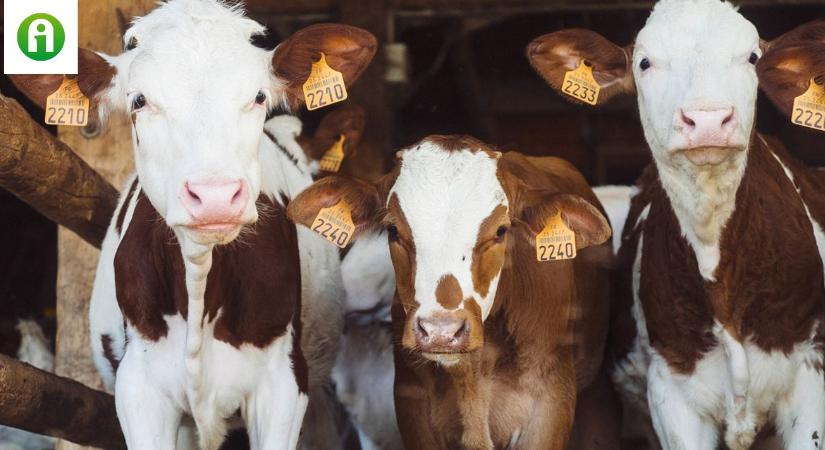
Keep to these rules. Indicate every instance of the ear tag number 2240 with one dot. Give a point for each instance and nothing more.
(580, 84)
(67, 105)
(335, 224)
(556, 242)
(809, 108)
(324, 86)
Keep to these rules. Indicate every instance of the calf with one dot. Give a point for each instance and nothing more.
(180, 323)
(486, 353)
(721, 257)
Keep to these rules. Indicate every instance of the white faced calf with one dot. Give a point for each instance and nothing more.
(189, 328)
(721, 261)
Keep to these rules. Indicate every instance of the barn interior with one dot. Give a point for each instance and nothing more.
(443, 67)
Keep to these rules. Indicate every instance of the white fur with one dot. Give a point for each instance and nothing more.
(34, 349)
(445, 196)
(616, 202)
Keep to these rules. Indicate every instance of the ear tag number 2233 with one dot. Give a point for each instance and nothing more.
(556, 242)
(809, 108)
(324, 86)
(335, 224)
(67, 105)
(580, 84)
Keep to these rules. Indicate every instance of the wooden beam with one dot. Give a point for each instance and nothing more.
(38, 401)
(49, 176)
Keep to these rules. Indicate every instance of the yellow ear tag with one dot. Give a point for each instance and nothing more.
(324, 86)
(809, 108)
(556, 242)
(67, 105)
(331, 161)
(581, 85)
(335, 224)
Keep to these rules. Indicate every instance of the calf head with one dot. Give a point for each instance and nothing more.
(198, 92)
(452, 212)
(693, 69)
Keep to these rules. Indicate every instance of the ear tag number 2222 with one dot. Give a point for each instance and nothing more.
(335, 224)
(324, 86)
(809, 108)
(556, 242)
(580, 84)
(67, 105)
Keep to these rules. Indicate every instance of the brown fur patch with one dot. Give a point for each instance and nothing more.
(448, 292)
(256, 301)
(489, 251)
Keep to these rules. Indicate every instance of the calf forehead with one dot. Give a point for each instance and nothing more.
(696, 29)
(445, 195)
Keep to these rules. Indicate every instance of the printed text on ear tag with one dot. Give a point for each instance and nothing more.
(581, 85)
(324, 86)
(809, 108)
(556, 242)
(335, 224)
(67, 105)
(331, 161)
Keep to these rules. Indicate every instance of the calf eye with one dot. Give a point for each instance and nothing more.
(138, 102)
(260, 98)
(392, 232)
(502, 230)
(644, 64)
(753, 58)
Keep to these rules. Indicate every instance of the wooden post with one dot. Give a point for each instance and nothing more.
(110, 153)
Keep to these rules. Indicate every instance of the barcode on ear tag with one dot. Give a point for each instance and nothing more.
(580, 84)
(331, 161)
(556, 242)
(67, 105)
(324, 86)
(335, 224)
(809, 108)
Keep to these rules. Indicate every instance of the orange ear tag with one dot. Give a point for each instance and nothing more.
(331, 161)
(67, 105)
(809, 108)
(324, 86)
(556, 242)
(581, 85)
(335, 224)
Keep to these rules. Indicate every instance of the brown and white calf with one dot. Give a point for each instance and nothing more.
(721, 258)
(182, 324)
(492, 348)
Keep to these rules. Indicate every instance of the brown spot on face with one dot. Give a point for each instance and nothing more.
(106, 343)
(448, 292)
(489, 251)
(475, 324)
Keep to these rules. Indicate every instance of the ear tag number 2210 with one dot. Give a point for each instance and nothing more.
(809, 108)
(67, 105)
(556, 242)
(335, 224)
(580, 84)
(324, 86)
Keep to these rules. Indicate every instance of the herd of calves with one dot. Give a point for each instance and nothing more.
(477, 300)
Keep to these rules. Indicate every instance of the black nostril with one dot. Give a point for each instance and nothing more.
(421, 329)
(728, 118)
(193, 195)
(688, 120)
(461, 331)
(237, 195)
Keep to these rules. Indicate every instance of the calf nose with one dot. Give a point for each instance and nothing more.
(707, 127)
(445, 333)
(214, 201)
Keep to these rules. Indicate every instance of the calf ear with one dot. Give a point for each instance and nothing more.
(349, 121)
(347, 49)
(555, 54)
(94, 76)
(589, 225)
(790, 61)
(361, 196)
